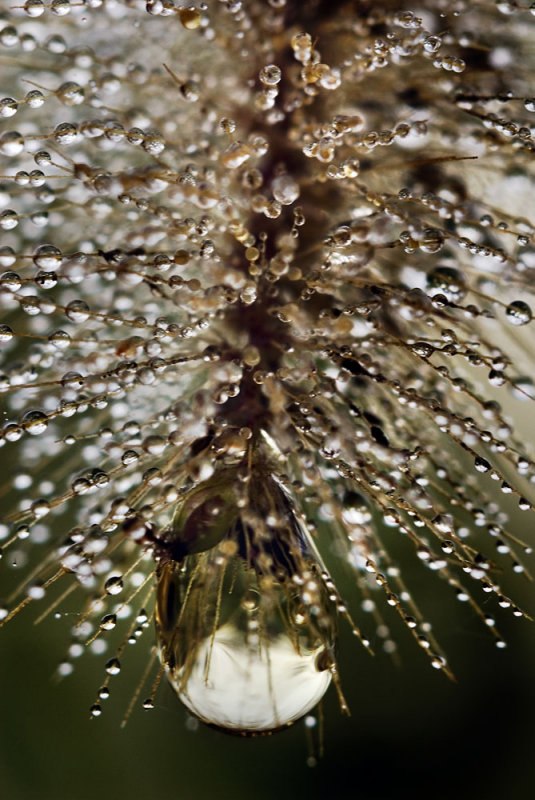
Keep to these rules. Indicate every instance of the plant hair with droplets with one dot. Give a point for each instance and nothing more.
(266, 281)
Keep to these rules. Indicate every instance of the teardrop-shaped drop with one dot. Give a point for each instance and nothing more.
(246, 628)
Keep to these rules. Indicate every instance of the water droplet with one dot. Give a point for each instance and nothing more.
(285, 189)
(423, 349)
(448, 281)
(270, 75)
(108, 622)
(235, 155)
(77, 311)
(113, 666)
(47, 257)
(8, 107)
(190, 91)
(11, 143)
(34, 422)
(114, 585)
(497, 377)
(431, 241)
(244, 669)
(190, 17)
(519, 313)
(70, 94)
(6, 334)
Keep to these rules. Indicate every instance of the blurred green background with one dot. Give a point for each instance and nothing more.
(412, 733)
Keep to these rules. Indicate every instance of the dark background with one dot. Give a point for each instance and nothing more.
(412, 732)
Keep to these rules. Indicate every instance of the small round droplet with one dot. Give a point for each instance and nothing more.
(285, 189)
(108, 622)
(235, 155)
(481, 464)
(113, 666)
(190, 18)
(270, 75)
(6, 334)
(34, 422)
(114, 585)
(519, 313)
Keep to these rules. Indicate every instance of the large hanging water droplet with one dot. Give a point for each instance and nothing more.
(246, 628)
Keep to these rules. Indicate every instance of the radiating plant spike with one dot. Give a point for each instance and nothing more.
(265, 292)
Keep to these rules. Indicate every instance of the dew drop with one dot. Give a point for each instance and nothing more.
(6, 334)
(108, 622)
(519, 313)
(481, 464)
(77, 311)
(285, 189)
(113, 585)
(235, 155)
(190, 18)
(113, 666)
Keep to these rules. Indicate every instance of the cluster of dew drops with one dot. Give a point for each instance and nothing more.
(234, 214)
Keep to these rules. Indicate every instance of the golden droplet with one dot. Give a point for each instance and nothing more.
(190, 17)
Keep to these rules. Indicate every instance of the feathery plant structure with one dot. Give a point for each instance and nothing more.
(262, 268)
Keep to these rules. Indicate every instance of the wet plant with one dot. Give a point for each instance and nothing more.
(264, 269)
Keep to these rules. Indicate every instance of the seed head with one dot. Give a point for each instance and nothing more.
(264, 272)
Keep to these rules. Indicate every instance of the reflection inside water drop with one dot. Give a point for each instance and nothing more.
(250, 687)
(246, 628)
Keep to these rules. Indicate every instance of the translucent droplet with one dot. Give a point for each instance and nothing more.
(77, 311)
(70, 94)
(519, 313)
(270, 75)
(34, 98)
(448, 281)
(8, 107)
(11, 143)
(190, 91)
(113, 585)
(47, 257)
(60, 339)
(6, 334)
(35, 422)
(108, 622)
(113, 666)
(285, 189)
(431, 241)
(60, 7)
(235, 155)
(243, 665)
(190, 18)
(497, 377)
